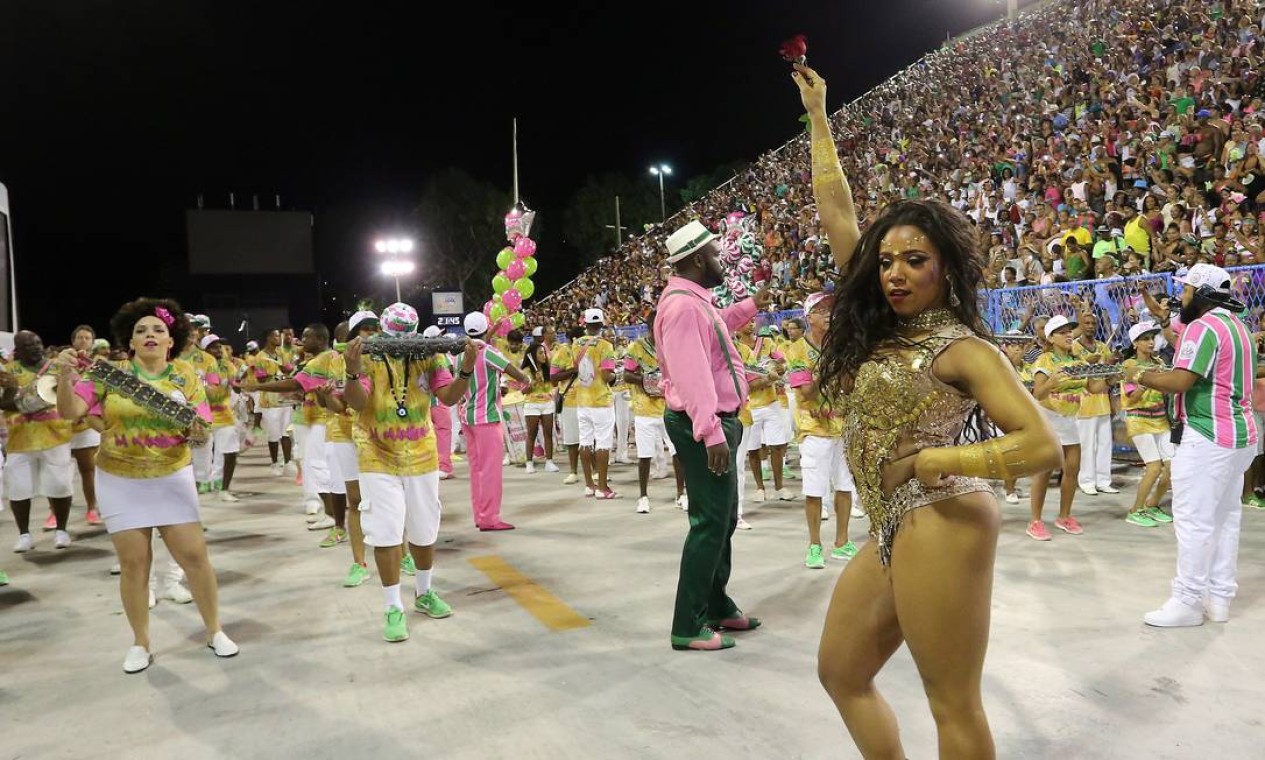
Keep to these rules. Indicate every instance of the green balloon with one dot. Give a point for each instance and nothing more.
(496, 298)
(500, 283)
(505, 257)
(530, 263)
(524, 287)
(518, 319)
(498, 313)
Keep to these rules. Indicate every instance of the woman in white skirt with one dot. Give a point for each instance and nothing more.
(1146, 422)
(145, 472)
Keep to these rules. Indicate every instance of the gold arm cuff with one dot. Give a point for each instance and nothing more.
(994, 459)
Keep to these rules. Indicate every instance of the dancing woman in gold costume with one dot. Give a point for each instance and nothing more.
(906, 359)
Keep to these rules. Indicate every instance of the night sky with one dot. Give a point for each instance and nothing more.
(115, 114)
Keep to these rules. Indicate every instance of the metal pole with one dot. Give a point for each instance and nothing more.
(619, 231)
(516, 161)
(663, 209)
(398, 299)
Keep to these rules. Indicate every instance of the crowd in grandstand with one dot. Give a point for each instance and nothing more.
(1088, 140)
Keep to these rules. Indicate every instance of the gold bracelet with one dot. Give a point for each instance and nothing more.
(996, 459)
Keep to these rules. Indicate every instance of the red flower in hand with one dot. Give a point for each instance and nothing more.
(795, 49)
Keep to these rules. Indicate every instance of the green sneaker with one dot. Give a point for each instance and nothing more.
(406, 565)
(789, 474)
(4, 578)
(431, 605)
(1255, 502)
(1142, 518)
(357, 575)
(217, 485)
(335, 537)
(814, 560)
(845, 552)
(204, 488)
(1158, 515)
(397, 628)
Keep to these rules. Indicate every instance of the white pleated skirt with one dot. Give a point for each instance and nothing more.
(131, 503)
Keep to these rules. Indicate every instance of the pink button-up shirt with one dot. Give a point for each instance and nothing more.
(696, 377)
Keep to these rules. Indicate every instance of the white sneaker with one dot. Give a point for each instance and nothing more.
(588, 491)
(312, 505)
(1012, 497)
(61, 539)
(1174, 614)
(153, 600)
(275, 469)
(1108, 489)
(531, 468)
(683, 501)
(24, 544)
(758, 496)
(787, 494)
(1217, 610)
(314, 517)
(1089, 491)
(174, 592)
(570, 480)
(322, 524)
(643, 505)
(136, 660)
(505, 460)
(228, 497)
(290, 469)
(445, 475)
(743, 524)
(550, 466)
(222, 645)
(857, 511)
(825, 512)
(116, 569)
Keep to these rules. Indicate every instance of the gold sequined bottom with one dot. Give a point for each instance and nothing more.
(887, 514)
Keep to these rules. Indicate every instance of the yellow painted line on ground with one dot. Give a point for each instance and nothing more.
(533, 597)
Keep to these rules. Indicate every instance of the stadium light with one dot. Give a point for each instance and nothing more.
(661, 171)
(396, 268)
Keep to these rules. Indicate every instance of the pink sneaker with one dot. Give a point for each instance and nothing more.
(50, 523)
(1036, 529)
(1069, 525)
(607, 494)
(94, 517)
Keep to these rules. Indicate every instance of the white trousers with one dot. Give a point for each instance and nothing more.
(1207, 484)
(745, 446)
(1095, 437)
(623, 424)
(208, 460)
(315, 466)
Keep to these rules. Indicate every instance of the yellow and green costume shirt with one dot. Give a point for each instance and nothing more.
(135, 443)
(813, 414)
(1093, 404)
(1067, 401)
(1148, 414)
(641, 359)
(590, 356)
(39, 431)
(560, 360)
(393, 433)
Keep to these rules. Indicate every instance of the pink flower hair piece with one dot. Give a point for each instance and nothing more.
(165, 316)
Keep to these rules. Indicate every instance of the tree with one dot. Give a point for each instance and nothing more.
(700, 185)
(592, 208)
(462, 226)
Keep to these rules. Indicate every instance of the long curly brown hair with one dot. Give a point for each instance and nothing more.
(124, 321)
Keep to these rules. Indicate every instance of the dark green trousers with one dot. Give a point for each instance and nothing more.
(705, 560)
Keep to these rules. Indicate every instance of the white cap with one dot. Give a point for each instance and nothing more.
(200, 320)
(208, 340)
(432, 332)
(252, 345)
(687, 240)
(475, 323)
(359, 317)
(1058, 322)
(1140, 329)
(538, 332)
(1201, 275)
(594, 317)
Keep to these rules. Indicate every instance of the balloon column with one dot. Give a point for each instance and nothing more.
(741, 252)
(512, 284)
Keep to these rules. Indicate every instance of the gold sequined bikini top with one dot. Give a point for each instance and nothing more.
(896, 401)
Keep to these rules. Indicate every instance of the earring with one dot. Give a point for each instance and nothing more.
(953, 294)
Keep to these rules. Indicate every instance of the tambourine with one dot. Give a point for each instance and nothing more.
(652, 383)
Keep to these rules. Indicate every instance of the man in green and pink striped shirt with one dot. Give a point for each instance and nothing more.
(481, 417)
(1212, 376)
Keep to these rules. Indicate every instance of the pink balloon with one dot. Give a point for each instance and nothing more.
(524, 247)
(516, 269)
(504, 326)
(512, 300)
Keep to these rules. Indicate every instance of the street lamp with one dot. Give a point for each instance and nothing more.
(659, 171)
(395, 268)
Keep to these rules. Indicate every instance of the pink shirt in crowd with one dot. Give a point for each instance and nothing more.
(696, 375)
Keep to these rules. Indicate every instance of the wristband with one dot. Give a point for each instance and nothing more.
(464, 374)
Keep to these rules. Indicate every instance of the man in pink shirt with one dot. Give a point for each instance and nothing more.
(705, 387)
(481, 418)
